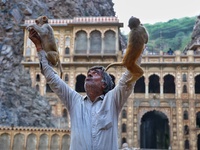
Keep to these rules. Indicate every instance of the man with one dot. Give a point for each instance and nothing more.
(94, 117)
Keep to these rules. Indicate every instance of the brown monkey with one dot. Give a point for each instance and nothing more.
(138, 37)
(46, 34)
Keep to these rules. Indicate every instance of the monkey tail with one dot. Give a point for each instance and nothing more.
(114, 64)
(61, 69)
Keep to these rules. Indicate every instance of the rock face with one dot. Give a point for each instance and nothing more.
(195, 37)
(20, 104)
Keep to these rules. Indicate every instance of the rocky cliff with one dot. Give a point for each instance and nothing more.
(20, 104)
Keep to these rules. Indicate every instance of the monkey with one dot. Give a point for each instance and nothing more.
(46, 33)
(138, 37)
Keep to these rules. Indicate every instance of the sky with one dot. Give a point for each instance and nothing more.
(153, 11)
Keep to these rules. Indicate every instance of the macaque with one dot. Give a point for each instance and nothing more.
(48, 41)
(138, 37)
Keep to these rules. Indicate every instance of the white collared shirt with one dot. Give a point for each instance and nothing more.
(94, 125)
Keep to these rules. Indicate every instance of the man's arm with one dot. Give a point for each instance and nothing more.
(123, 90)
(60, 88)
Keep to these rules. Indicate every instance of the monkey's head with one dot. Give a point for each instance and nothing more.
(133, 22)
(41, 20)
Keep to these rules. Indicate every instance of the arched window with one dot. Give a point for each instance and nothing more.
(124, 115)
(67, 42)
(154, 84)
(66, 78)
(67, 50)
(65, 113)
(184, 89)
(186, 130)
(80, 80)
(123, 127)
(198, 119)
(169, 85)
(187, 145)
(95, 42)
(139, 86)
(184, 78)
(109, 42)
(37, 78)
(185, 115)
(81, 42)
(197, 84)
(123, 140)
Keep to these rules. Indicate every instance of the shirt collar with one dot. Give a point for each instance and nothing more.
(101, 97)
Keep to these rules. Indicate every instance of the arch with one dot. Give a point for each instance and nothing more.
(186, 130)
(54, 142)
(65, 142)
(65, 113)
(140, 86)
(154, 130)
(18, 142)
(37, 78)
(198, 142)
(43, 142)
(109, 42)
(185, 115)
(123, 140)
(187, 144)
(154, 85)
(81, 42)
(5, 141)
(66, 78)
(198, 119)
(123, 127)
(184, 88)
(95, 42)
(80, 81)
(169, 85)
(197, 84)
(184, 77)
(67, 50)
(31, 142)
(124, 114)
(67, 42)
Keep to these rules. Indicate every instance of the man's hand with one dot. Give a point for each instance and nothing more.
(35, 38)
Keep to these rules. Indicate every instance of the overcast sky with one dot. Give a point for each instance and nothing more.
(152, 11)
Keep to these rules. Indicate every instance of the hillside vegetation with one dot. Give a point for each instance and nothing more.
(174, 34)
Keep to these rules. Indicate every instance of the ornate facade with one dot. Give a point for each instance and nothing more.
(164, 109)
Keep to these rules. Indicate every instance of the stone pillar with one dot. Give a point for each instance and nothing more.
(130, 121)
(180, 124)
(191, 89)
(192, 120)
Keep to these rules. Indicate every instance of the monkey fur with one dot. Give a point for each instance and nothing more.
(46, 33)
(138, 37)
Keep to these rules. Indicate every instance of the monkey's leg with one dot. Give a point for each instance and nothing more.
(137, 72)
(53, 57)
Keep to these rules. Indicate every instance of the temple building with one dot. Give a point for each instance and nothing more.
(163, 111)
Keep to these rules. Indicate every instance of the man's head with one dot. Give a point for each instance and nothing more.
(97, 76)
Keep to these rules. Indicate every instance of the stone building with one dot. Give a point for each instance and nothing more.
(163, 111)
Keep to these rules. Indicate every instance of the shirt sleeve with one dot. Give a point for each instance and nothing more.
(58, 86)
(123, 90)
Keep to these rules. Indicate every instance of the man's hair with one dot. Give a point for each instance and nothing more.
(109, 85)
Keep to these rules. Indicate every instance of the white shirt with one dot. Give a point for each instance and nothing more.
(94, 125)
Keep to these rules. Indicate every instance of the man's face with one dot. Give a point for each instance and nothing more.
(94, 79)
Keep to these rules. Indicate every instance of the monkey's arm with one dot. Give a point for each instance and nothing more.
(44, 30)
